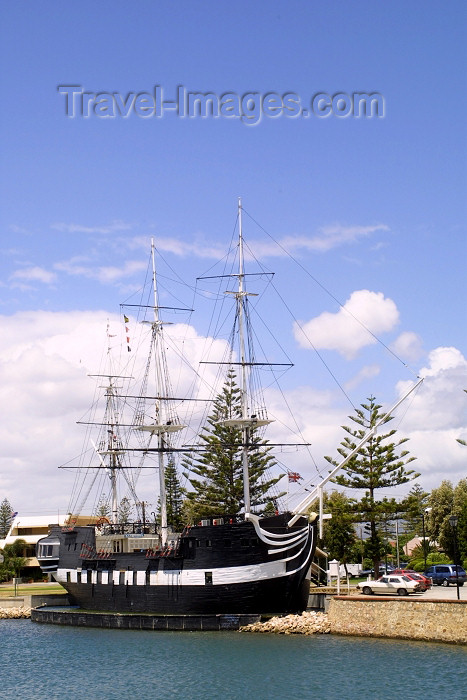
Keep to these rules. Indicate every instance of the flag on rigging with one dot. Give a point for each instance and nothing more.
(127, 330)
(294, 477)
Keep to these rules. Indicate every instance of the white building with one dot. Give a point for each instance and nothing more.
(30, 529)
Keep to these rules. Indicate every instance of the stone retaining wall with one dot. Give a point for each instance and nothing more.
(136, 621)
(399, 618)
(34, 600)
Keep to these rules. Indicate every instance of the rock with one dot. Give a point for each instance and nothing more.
(306, 623)
(14, 613)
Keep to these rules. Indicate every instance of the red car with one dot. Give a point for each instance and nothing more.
(424, 580)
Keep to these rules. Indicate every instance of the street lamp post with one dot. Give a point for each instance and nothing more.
(453, 523)
(424, 540)
(397, 545)
(424, 512)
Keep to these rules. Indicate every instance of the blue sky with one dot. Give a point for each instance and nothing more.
(364, 204)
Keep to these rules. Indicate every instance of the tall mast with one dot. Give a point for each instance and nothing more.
(112, 439)
(243, 386)
(245, 422)
(165, 421)
(157, 328)
(110, 444)
(161, 426)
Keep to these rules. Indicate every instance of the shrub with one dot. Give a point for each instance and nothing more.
(418, 563)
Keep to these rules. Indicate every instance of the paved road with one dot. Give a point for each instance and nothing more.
(442, 593)
(434, 593)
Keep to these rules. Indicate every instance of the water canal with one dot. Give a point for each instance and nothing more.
(64, 663)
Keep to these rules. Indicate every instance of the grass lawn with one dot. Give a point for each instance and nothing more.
(7, 590)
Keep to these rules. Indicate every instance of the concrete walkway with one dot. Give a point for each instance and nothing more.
(442, 593)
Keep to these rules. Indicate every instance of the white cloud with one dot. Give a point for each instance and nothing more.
(113, 227)
(367, 372)
(436, 416)
(19, 229)
(408, 345)
(432, 418)
(440, 403)
(199, 248)
(45, 358)
(103, 274)
(444, 359)
(439, 456)
(34, 274)
(342, 332)
(327, 238)
(336, 235)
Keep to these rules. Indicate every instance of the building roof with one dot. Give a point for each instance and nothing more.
(37, 520)
(36, 526)
(32, 527)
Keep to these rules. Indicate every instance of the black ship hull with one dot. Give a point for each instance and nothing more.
(258, 567)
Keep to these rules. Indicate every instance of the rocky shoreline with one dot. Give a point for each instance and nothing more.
(307, 623)
(14, 613)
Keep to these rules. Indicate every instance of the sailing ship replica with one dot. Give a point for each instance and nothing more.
(247, 563)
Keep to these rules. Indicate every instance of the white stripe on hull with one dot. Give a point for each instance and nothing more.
(187, 577)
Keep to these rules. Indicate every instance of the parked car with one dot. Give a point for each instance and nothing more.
(390, 584)
(382, 570)
(427, 582)
(444, 574)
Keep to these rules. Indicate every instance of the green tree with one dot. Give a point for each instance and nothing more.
(460, 495)
(416, 504)
(379, 464)
(174, 496)
(219, 489)
(417, 560)
(125, 511)
(5, 517)
(460, 509)
(462, 533)
(103, 509)
(270, 508)
(447, 500)
(441, 502)
(13, 559)
(416, 518)
(339, 532)
(460, 440)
